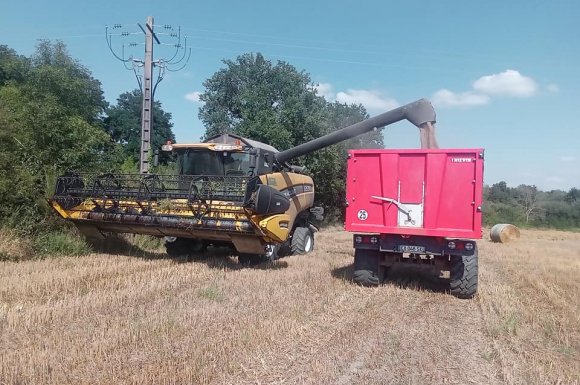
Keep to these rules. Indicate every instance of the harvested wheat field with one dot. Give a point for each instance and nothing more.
(148, 319)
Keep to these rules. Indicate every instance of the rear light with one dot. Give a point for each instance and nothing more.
(371, 240)
(460, 245)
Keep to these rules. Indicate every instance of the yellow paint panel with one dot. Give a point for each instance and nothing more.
(276, 227)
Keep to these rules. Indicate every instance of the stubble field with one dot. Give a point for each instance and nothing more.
(150, 319)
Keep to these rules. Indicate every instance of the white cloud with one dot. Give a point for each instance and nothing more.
(567, 158)
(193, 96)
(446, 98)
(372, 100)
(553, 88)
(325, 90)
(506, 83)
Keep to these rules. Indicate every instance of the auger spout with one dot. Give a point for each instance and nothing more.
(420, 113)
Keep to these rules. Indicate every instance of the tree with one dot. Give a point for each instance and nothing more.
(50, 122)
(328, 166)
(527, 197)
(274, 104)
(500, 192)
(278, 105)
(57, 74)
(123, 123)
(573, 195)
(13, 67)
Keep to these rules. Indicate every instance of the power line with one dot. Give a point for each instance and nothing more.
(144, 69)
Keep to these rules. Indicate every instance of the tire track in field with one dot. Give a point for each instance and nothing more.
(432, 338)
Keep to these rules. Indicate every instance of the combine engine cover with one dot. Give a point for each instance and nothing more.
(415, 192)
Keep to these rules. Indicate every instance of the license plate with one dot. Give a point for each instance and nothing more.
(411, 249)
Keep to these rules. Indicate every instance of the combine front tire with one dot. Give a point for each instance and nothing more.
(272, 254)
(302, 241)
(184, 247)
(366, 267)
(463, 275)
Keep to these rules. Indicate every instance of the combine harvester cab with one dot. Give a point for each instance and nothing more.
(421, 207)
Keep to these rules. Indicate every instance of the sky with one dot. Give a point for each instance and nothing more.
(502, 75)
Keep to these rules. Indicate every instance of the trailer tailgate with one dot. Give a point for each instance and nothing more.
(434, 192)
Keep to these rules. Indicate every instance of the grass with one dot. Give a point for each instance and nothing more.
(60, 243)
(18, 247)
(147, 319)
(14, 247)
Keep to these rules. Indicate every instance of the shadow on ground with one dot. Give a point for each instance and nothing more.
(214, 257)
(404, 277)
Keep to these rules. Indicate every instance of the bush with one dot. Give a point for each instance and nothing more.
(60, 243)
(14, 247)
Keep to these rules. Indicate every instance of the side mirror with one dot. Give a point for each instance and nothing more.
(253, 158)
(156, 158)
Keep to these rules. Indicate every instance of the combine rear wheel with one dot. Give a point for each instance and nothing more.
(302, 241)
(366, 267)
(463, 275)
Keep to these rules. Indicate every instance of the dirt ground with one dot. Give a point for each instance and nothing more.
(150, 319)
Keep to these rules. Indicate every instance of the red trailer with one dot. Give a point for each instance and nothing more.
(416, 206)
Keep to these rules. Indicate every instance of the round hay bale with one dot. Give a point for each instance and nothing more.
(504, 232)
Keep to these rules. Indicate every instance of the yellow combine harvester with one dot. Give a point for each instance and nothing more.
(227, 191)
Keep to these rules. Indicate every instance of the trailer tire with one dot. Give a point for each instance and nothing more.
(463, 275)
(366, 267)
(302, 241)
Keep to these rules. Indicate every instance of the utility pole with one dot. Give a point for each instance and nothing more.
(147, 98)
(145, 81)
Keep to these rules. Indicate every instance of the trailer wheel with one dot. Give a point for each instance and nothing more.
(463, 275)
(302, 241)
(366, 267)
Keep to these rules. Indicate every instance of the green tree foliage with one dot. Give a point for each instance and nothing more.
(123, 123)
(278, 105)
(573, 196)
(527, 206)
(274, 104)
(13, 67)
(50, 115)
(328, 166)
